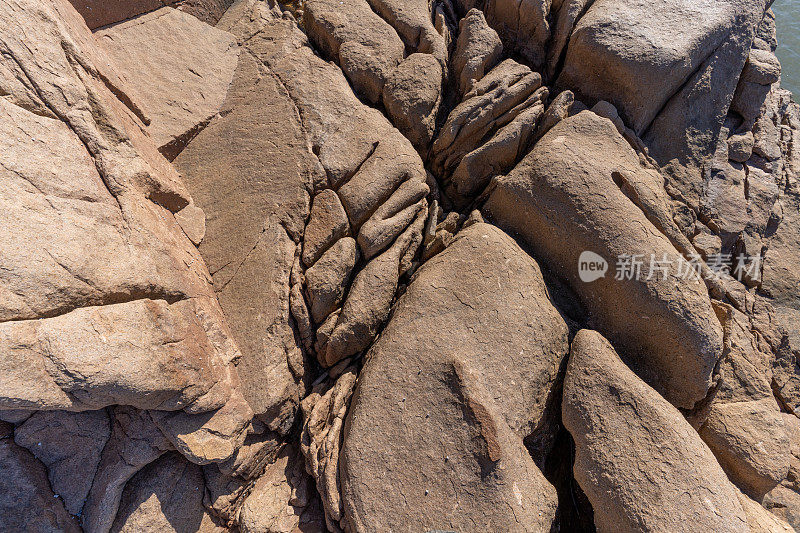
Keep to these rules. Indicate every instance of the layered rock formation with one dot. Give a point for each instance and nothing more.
(384, 265)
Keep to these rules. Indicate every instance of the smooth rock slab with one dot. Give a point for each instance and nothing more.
(475, 326)
(181, 67)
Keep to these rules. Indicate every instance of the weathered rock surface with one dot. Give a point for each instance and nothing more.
(426, 396)
(640, 463)
(180, 67)
(165, 496)
(69, 445)
(98, 13)
(27, 502)
(560, 215)
(478, 50)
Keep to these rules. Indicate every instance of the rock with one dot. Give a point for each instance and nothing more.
(192, 221)
(541, 199)
(165, 496)
(392, 217)
(250, 170)
(178, 361)
(478, 50)
(413, 21)
(759, 520)
(277, 498)
(98, 13)
(523, 26)
(69, 445)
(361, 42)
(327, 280)
(740, 147)
(762, 67)
(566, 15)
(321, 439)
(560, 108)
(424, 396)
(495, 101)
(412, 95)
(328, 223)
(208, 437)
(784, 500)
(370, 298)
(134, 443)
(181, 68)
(27, 502)
(623, 428)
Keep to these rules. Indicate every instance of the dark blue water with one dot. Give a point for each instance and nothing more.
(787, 19)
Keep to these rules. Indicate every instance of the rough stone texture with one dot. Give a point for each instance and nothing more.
(523, 25)
(362, 43)
(180, 67)
(562, 200)
(27, 502)
(640, 463)
(135, 442)
(328, 279)
(98, 13)
(69, 445)
(424, 397)
(321, 439)
(250, 171)
(278, 498)
(166, 496)
(478, 50)
(784, 500)
(327, 224)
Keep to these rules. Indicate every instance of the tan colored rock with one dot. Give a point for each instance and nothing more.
(134, 443)
(478, 50)
(370, 298)
(208, 437)
(27, 502)
(321, 438)
(69, 445)
(181, 68)
(250, 171)
(327, 224)
(566, 14)
(412, 95)
(165, 496)
(523, 26)
(366, 47)
(427, 396)
(760, 520)
(784, 500)
(277, 499)
(98, 13)
(493, 102)
(414, 23)
(679, 344)
(86, 359)
(327, 280)
(640, 463)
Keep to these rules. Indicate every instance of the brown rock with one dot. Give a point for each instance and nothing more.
(523, 26)
(69, 445)
(250, 171)
(677, 347)
(478, 50)
(328, 279)
(165, 496)
(181, 68)
(362, 43)
(27, 502)
(640, 463)
(327, 224)
(425, 397)
(134, 443)
(278, 498)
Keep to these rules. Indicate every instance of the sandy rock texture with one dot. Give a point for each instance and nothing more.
(397, 265)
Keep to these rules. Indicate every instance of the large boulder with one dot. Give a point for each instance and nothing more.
(671, 67)
(475, 325)
(99, 13)
(563, 199)
(643, 467)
